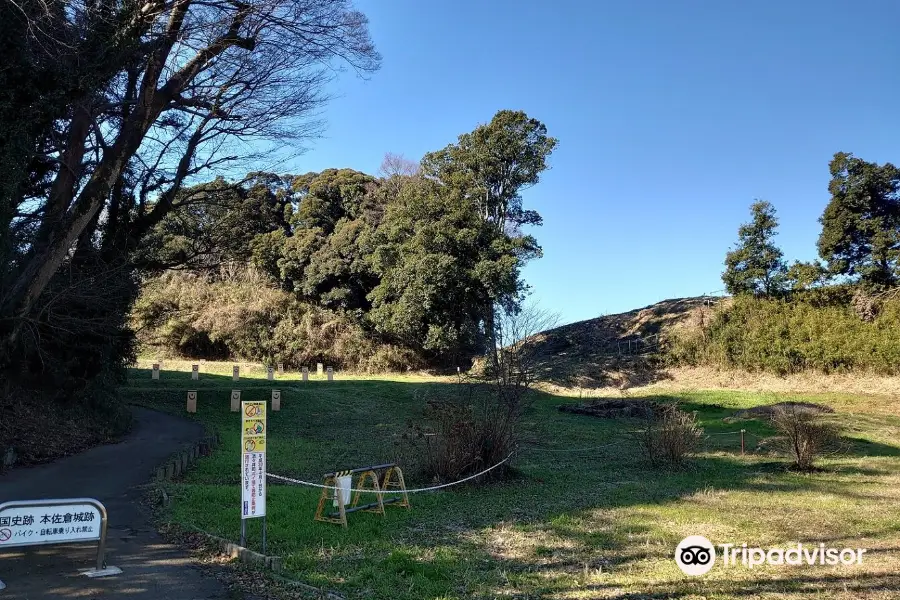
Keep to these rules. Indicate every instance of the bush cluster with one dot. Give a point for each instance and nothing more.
(814, 331)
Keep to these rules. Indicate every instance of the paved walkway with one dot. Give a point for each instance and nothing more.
(151, 568)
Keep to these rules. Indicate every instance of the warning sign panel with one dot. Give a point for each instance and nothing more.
(253, 459)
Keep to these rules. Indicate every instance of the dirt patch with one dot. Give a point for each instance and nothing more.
(613, 409)
(768, 411)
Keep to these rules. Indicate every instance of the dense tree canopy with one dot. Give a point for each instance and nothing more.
(861, 224)
(110, 112)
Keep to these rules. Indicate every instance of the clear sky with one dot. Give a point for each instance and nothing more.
(672, 117)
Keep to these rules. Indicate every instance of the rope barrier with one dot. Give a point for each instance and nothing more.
(470, 477)
(413, 491)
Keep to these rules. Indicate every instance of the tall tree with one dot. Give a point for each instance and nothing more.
(137, 98)
(861, 225)
(755, 265)
(491, 166)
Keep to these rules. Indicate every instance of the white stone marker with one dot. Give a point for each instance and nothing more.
(235, 373)
(330, 374)
(155, 373)
(270, 373)
(319, 369)
(276, 400)
(280, 369)
(192, 401)
(195, 372)
(305, 372)
(235, 400)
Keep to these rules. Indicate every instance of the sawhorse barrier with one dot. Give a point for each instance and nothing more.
(367, 481)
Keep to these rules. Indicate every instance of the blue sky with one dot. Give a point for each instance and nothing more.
(672, 116)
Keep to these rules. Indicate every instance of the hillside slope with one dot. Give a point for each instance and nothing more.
(618, 350)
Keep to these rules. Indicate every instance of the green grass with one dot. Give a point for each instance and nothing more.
(594, 524)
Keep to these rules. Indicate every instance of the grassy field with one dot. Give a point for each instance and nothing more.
(571, 523)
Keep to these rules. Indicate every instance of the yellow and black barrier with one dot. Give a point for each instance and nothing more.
(367, 482)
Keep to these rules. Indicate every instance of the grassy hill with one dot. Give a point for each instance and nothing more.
(618, 350)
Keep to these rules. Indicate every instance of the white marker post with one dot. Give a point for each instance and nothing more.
(235, 373)
(192, 401)
(155, 373)
(330, 372)
(253, 467)
(281, 369)
(63, 521)
(305, 372)
(276, 400)
(270, 373)
(235, 400)
(319, 369)
(195, 372)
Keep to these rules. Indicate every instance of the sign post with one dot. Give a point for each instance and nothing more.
(253, 466)
(62, 521)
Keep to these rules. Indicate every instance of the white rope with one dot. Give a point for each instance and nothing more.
(412, 491)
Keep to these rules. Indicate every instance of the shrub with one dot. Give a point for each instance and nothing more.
(818, 330)
(804, 436)
(467, 430)
(668, 436)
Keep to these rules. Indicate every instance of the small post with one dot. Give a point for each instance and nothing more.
(330, 374)
(235, 373)
(264, 535)
(235, 400)
(270, 373)
(192, 401)
(305, 371)
(319, 369)
(155, 374)
(243, 533)
(195, 372)
(281, 369)
(276, 400)
(742, 442)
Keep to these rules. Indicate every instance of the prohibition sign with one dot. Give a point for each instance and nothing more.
(5, 534)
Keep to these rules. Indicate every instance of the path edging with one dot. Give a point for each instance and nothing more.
(178, 465)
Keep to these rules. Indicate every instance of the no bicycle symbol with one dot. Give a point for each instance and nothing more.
(5, 534)
(252, 410)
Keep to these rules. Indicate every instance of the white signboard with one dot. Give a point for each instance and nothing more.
(253, 459)
(31, 525)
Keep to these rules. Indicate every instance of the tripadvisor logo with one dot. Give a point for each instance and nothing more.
(696, 555)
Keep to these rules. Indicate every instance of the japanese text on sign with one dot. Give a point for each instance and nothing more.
(27, 525)
(253, 459)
